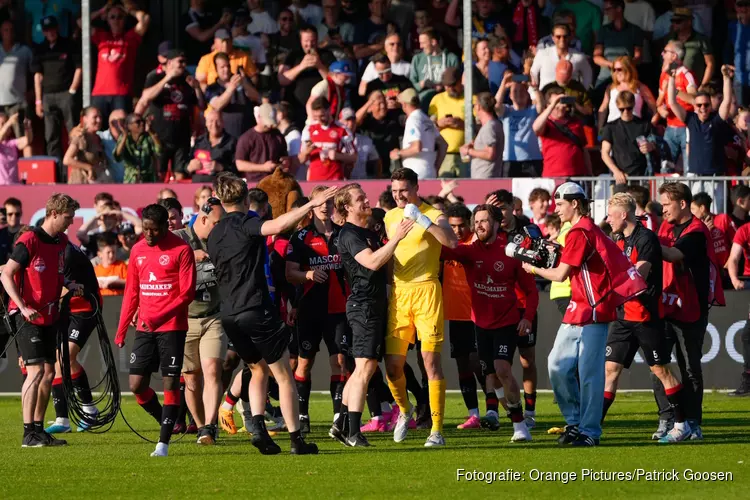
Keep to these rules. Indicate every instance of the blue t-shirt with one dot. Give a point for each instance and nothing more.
(521, 143)
(739, 41)
(707, 141)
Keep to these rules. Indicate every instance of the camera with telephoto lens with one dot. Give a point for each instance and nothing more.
(534, 249)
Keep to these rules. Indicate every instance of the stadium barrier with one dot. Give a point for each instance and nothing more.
(722, 358)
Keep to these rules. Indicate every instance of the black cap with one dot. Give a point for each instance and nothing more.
(174, 54)
(165, 47)
(244, 14)
(127, 227)
(48, 23)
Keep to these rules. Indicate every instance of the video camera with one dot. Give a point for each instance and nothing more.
(534, 249)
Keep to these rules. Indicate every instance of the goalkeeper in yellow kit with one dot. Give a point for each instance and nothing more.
(416, 304)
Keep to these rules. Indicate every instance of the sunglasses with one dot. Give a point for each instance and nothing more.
(702, 104)
(14, 214)
(210, 203)
(626, 108)
(561, 37)
(618, 70)
(137, 122)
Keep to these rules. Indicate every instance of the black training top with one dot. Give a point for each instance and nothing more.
(366, 285)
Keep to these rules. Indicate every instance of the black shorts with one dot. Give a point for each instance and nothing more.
(526, 341)
(625, 337)
(37, 344)
(293, 342)
(257, 333)
(368, 322)
(463, 339)
(153, 350)
(314, 326)
(498, 343)
(80, 328)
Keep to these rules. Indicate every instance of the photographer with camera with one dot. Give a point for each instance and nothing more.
(601, 279)
(493, 278)
(563, 140)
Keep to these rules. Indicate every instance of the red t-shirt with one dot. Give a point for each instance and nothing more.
(684, 78)
(562, 157)
(324, 139)
(742, 238)
(160, 285)
(576, 252)
(116, 66)
(493, 278)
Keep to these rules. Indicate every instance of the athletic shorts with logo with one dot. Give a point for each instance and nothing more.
(367, 321)
(152, 350)
(81, 326)
(205, 340)
(314, 327)
(625, 337)
(529, 340)
(257, 333)
(462, 338)
(37, 344)
(415, 312)
(494, 344)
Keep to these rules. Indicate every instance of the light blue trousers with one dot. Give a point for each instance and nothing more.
(580, 350)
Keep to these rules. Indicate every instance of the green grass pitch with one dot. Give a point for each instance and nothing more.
(117, 464)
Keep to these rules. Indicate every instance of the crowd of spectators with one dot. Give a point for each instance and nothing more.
(336, 89)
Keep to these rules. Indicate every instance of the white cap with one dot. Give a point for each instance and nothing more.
(570, 191)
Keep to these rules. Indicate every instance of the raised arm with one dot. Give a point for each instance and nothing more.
(678, 110)
(289, 220)
(727, 72)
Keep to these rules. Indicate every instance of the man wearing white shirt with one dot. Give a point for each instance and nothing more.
(545, 61)
(422, 146)
(394, 49)
(261, 21)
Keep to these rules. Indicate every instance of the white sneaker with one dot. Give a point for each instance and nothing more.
(434, 439)
(520, 433)
(664, 427)
(162, 450)
(402, 424)
(530, 418)
(677, 434)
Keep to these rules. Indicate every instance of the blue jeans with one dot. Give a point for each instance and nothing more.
(580, 350)
(676, 139)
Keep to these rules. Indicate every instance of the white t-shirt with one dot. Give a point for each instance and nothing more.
(419, 127)
(253, 45)
(262, 23)
(311, 14)
(400, 68)
(365, 153)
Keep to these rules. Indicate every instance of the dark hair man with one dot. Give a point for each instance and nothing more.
(158, 291)
(499, 323)
(237, 246)
(601, 279)
(691, 286)
(365, 260)
(33, 278)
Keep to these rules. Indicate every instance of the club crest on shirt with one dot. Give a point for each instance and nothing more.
(39, 265)
(499, 266)
(164, 260)
(141, 259)
(333, 134)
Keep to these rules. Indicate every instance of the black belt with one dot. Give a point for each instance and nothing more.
(205, 315)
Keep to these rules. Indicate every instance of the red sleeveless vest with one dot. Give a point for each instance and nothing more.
(596, 295)
(679, 295)
(42, 280)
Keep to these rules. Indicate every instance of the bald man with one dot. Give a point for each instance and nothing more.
(564, 80)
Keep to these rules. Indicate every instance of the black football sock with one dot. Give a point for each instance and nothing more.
(28, 429)
(303, 391)
(150, 402)
(373, 401)
(258, 423)
(468, 386)
(609, 398)
(490, 400)
(82, 388)
(38, 427)
(515, 412)
(530, 400)
(169, 414)
(337, 391)
(343, 415)
(58, 399)
(182, 408)
(674, 395)
(355, 420)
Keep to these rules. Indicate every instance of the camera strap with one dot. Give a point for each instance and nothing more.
(569, 134)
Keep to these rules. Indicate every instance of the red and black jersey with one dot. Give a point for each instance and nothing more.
(312, 251)
(78, 268)
(643, 245)
(42, 274)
